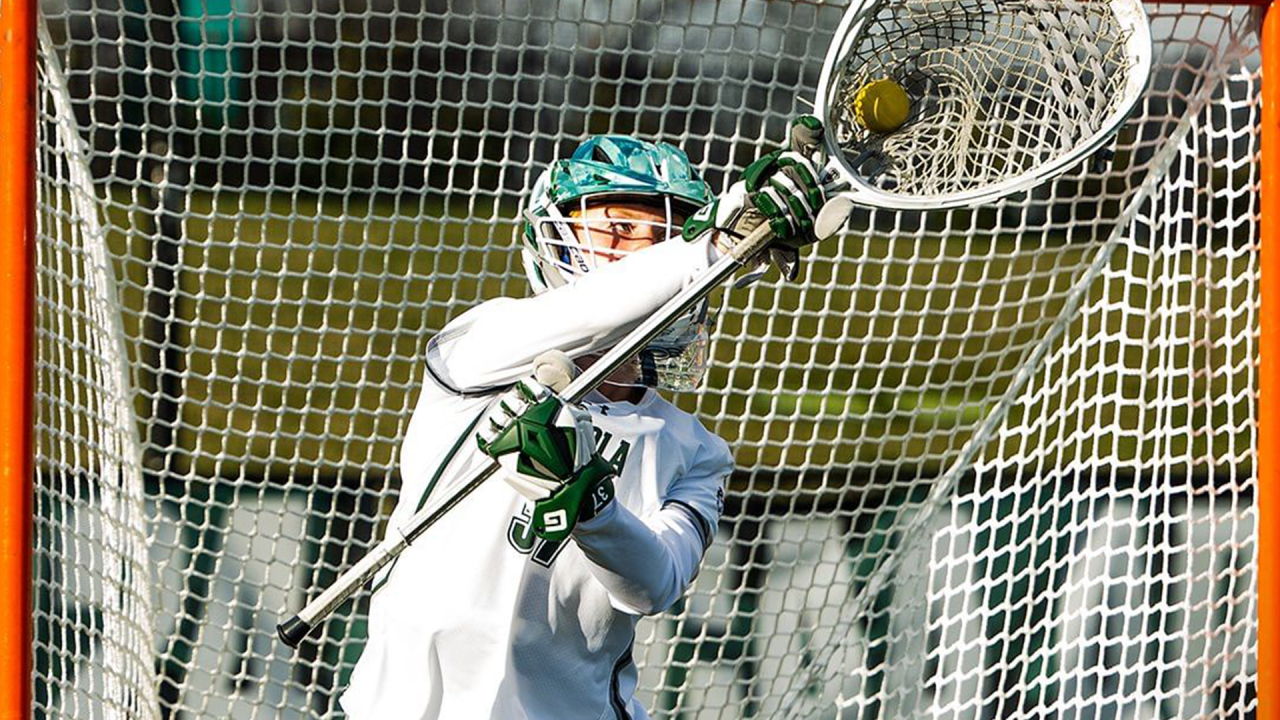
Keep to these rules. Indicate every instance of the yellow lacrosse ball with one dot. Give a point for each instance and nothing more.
(881, 106)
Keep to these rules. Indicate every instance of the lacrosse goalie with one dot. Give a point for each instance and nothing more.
(521, 603)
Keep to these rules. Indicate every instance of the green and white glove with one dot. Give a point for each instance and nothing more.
(783, 188)
(547, 450)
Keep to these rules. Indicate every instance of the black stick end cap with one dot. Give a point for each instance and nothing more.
(293, 630)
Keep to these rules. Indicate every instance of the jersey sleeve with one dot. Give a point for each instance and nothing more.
(494, 345)
(699, 492)
(647, 563)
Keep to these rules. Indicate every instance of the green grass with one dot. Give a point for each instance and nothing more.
(304, 321)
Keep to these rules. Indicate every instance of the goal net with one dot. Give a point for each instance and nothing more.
(991, 463)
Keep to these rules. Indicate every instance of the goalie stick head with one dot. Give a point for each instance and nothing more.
(615, 195)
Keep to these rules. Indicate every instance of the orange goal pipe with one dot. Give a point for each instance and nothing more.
(1268, 497)
(17, 252)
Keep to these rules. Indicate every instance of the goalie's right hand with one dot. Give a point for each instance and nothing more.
(547, 451)
(783, 188)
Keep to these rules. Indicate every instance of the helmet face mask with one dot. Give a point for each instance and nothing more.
(615, 196)
(582, 236)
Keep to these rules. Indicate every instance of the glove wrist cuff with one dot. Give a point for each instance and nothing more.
(597, 476)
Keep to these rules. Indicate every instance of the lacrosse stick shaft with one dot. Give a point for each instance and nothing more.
(293, 630)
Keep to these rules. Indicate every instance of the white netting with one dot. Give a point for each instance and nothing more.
(93, 591)
(1024, 82)
(993, 463)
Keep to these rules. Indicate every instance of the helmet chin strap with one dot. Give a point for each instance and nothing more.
(648, 368)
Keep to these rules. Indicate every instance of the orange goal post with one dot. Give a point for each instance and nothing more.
(1008, 462)
(17, 231)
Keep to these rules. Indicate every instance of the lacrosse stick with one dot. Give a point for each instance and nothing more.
(1001, 95)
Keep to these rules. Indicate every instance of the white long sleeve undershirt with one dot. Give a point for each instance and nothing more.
(644, 564)
(588, 315)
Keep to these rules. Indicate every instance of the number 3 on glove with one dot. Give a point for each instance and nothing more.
(546, 448)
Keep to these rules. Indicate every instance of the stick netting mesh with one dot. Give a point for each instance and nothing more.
(992, 463)
(998, 88)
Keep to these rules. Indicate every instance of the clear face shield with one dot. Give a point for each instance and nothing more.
(601, 230)
(677, 359)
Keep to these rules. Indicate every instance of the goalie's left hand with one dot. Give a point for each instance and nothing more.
(784, 188)
(546, 448)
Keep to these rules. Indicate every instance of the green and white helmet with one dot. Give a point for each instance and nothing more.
(629, 170)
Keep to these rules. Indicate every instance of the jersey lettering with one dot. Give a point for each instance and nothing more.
(520, 530)
(546, 551)
(520, 535)
(619, 457)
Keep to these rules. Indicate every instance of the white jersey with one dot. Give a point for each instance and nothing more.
(479, 618)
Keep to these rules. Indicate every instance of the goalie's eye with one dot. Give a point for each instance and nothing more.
(624, 228)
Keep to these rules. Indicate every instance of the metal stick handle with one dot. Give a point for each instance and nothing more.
(293, 630)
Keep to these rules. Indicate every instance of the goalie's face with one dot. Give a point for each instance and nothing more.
(607, 231)
(572, 239)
